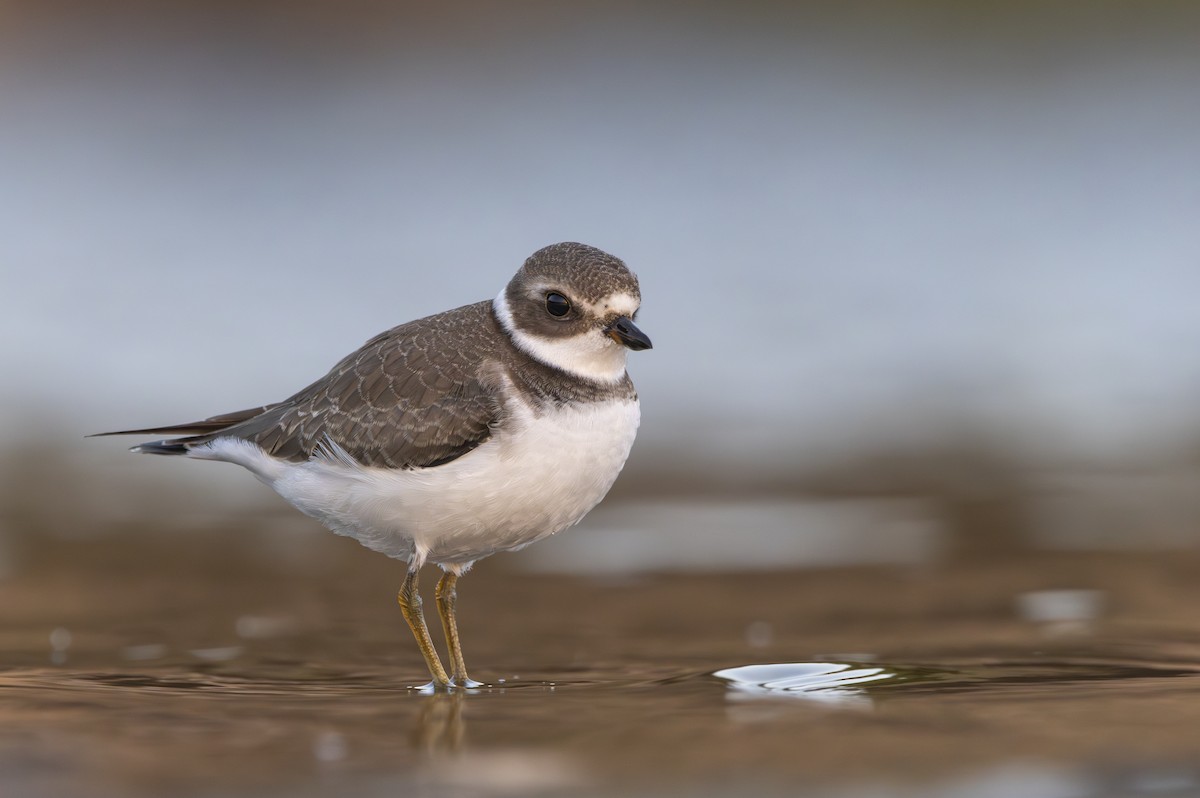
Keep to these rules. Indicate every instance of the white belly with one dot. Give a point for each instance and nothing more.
(538, 476)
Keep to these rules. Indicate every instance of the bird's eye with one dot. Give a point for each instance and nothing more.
(557, 305)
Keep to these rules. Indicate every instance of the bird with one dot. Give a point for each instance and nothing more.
(447, 439)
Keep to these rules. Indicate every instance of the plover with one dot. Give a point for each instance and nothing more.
(477, 430)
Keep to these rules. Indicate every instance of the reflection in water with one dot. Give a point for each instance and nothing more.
(824, 682)
(438, 727)
(499, 767)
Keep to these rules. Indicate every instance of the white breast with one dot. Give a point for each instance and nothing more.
(538, 475)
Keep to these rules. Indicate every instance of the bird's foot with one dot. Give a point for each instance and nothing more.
(434, 687)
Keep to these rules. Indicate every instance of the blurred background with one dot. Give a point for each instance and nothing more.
(921, 276)
(884, 247)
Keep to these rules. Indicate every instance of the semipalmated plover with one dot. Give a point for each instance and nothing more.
(481, 429)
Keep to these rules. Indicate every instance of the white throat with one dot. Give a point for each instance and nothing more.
(593, 355)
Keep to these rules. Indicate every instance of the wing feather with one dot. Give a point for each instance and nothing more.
(412, 397)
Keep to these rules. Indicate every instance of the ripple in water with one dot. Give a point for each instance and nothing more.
(824, 682)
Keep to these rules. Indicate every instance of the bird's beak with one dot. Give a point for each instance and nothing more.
(626, 333)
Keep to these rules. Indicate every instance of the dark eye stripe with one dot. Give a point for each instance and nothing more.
(557, 305)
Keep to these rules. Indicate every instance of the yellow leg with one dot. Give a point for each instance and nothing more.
(410, 605)
(447, 597)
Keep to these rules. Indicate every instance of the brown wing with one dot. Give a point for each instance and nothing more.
(410, 397)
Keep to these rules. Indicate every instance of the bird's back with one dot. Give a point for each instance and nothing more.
(411, 397)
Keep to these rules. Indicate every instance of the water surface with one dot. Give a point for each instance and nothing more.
(210, 664)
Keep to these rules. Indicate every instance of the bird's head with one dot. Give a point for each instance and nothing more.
(572, 307)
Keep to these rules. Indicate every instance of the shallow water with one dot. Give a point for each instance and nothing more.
(220, 664)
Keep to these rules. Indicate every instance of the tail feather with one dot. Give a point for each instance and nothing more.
(176, 446)
(204, 427)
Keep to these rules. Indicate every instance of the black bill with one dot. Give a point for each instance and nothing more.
(625, 332)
